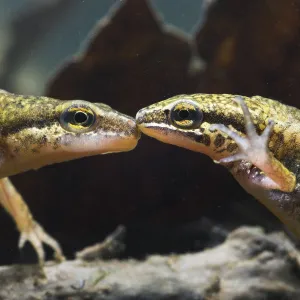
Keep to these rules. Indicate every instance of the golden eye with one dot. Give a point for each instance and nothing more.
(77, 118)
(186, 115)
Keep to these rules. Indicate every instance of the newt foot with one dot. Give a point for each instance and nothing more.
(252, 147)
(37, 236)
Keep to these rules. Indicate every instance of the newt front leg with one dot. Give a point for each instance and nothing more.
(29, 229)
(254, 149)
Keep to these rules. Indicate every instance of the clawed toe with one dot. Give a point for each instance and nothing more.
(37, 236)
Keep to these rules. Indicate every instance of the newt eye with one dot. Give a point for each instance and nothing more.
(186, 115)
(77, 118)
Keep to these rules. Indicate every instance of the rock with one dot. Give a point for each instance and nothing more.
(249, 265)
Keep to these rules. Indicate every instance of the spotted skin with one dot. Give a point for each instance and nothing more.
(38, 131)
(255, 138)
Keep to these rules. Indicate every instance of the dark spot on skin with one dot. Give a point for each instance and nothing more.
(232, 147)
(16, 150)
(34, 150)
(219, 140)
(44, 140)
(279, 142)
(19, 105)
(127, 133)
(12, 156)
(221, 150)
(203, 139)
(56, 143)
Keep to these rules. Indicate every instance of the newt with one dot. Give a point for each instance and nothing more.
(38, 131)
(255, 138)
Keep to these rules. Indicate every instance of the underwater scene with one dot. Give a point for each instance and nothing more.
(150, 149)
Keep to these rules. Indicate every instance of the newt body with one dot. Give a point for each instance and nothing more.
(38, 131)
(256, 138)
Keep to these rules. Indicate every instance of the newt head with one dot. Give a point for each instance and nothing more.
(185, 121)
(38, 131)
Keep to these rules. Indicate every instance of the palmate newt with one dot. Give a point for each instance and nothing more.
(256, 138)
(38, 131)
